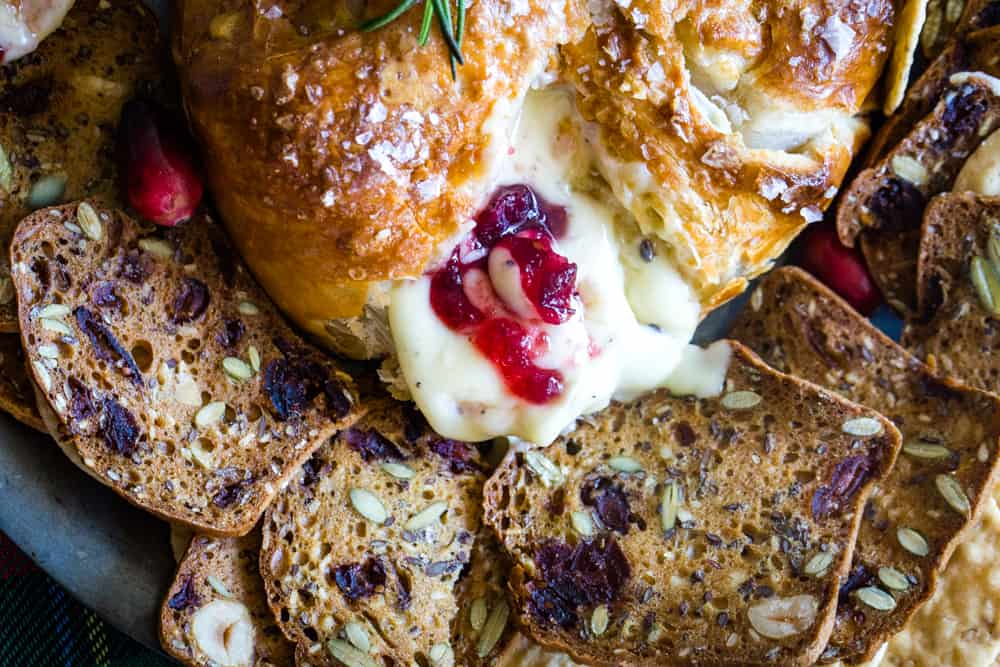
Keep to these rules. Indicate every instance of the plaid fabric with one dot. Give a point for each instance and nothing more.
(41, 625)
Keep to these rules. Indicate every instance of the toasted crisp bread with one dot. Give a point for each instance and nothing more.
(367, 547)
(957, 334)
(941, 479)
(216, 612)
(681, 531)
(58, 110)
(907, 38)
(172, 376)
(16, 395)
(180, 540)
(887, 201)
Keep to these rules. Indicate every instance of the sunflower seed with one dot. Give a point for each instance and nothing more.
(913, 541)
(582, 523)
(56, 326)
(427, 516)
(441, 654)
(157, 248)
(987, 285)
(926, 450)
(599, 620)
(862, 426)
(953, 494)
(249, 308)
(624, 464)
(46, 191)
(347, 654)
(910, 169)
(876, 598)
(48, 351)
(218, 586)
(740, 400)
(493, 629)
(368, 505)
(209, 414)
(477, 614)
(893, 579)
(254, 356)
(89, 221)
(398, 470)
(547, 471)
(54, 311)
(670, 505)
(43, 375)
(357, 635)
(819, 564)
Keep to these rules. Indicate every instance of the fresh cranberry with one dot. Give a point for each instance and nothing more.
(547, 278)
(514, 208)
(512, 349)
(841, 268)
(448, 298)
(161, 180)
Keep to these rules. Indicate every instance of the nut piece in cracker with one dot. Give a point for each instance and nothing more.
(216, 612)
(58, 110)
(710, 531)
(171, 374)
(886, 201)
(959, 289)
(367, 551)
(943, 473)
(16, 395)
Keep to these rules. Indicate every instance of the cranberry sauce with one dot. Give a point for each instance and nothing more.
(522, 225)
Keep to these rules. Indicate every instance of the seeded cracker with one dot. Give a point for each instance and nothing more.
(216, 612)
(962, 328)
(188, 396)
(58, 110)
(885, 203)
(941, 477)
(907, 38)
(370, 553)
(676, 531)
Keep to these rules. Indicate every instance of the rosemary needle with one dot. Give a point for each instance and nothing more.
(432, 8)
(425, 27)
(386, 19)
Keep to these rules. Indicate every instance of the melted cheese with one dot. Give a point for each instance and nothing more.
(637, 315)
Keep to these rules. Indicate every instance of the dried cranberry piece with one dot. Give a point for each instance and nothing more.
(81, 403)
(106, 346)
(230, 493)
(962, 115)
(548, 606)
(293, 382)
(231, 334)
(610, 501)
(359, 580)
(103, 296)
(338, 404)
(459, 455)
(372, 445)
(898, 204)
(592, 573)
(547, 278)
(191, 301)
(119, 429)
(684, 434)
(847, 478)
(311, 470)
(135, 267)
(858, 576)
(184, 598)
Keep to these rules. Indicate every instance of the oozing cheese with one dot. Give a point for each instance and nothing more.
(630, 330)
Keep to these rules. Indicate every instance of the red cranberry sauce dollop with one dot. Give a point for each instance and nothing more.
(517, 221)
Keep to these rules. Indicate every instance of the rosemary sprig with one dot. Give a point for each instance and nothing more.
(441, 9)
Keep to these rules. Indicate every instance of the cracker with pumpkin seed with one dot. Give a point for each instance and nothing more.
(959, 289)
(689, 531)
(216, 612)
(366, 549)
(16, 395)
(58, 110)
(941, 478)
(172, 376)
(885, 203)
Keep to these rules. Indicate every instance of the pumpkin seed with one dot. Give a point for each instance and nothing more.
(54, 311)
(625, 464)
(547, 471)
(249, 308)
(237, 369)
(48, 351)
(493, 629)
(876, 598)
(987, 284)
(913, 541)
(893, 579)
(357, 635)
(427, 516)
(441, 654)
(953, 494)
(926, 450)
(368, 505)
(157, 248)
(89, 221)
(46, 191)
(670, 505)
(477, 614)
(993, 247)
(599, 620)
(43, 375)
(347, 654)
(6, 171)
(218, 586)
(740, 400)
(254, 356)
(398, 470)
(209, 414)
(862, 426)
(910, 169)
(582, 523)
(56, 326)
(819, 564)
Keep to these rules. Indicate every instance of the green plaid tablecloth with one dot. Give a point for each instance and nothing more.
(41, 625)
